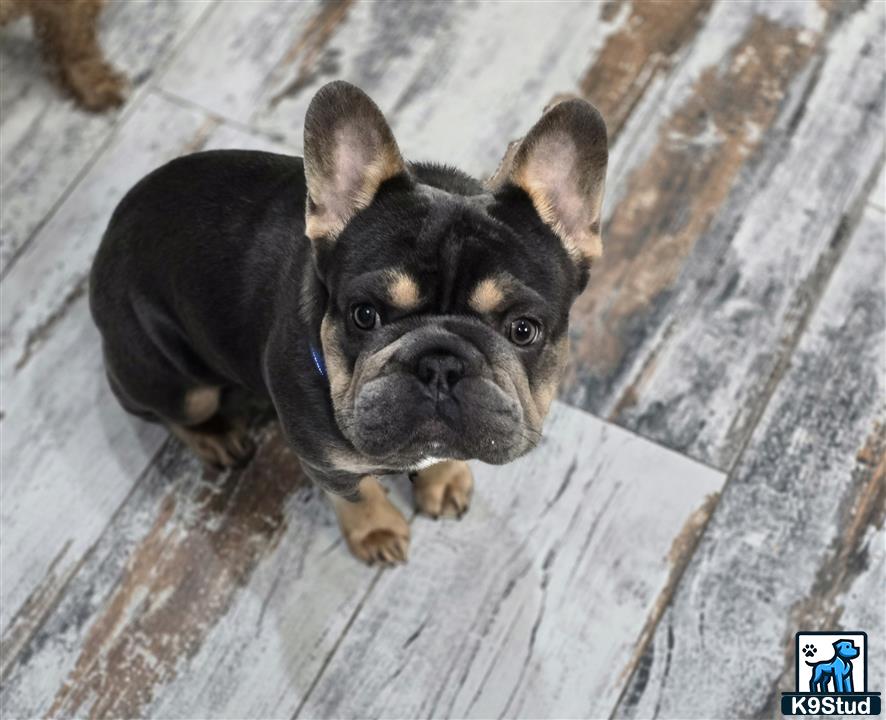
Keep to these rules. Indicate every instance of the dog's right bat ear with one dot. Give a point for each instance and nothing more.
(349, 152)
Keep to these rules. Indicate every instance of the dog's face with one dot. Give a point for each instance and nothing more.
(445, 330)
(845, 649)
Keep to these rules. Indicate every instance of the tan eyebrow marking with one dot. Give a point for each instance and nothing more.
(487, 296)
(403, 290)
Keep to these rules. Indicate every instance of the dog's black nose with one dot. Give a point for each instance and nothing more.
(440, 372)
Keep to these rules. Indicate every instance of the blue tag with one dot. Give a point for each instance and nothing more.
(318, 361)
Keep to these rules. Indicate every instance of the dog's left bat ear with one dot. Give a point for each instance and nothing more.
(561, 165)
(349, 152)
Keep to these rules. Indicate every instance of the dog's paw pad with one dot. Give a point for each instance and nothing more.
(809, 650)
(444, 490)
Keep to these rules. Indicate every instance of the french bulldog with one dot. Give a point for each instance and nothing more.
(399, 316)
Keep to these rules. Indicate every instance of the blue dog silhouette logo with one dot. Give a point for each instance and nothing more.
(831, 676)
(837, 670)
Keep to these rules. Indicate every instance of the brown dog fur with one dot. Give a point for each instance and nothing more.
(67, 31)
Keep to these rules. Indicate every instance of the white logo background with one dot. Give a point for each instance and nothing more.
(824, 651)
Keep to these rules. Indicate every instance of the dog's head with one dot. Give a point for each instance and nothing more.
(445, 329)
(845, 649)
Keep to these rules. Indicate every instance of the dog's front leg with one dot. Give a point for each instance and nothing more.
(373, 528)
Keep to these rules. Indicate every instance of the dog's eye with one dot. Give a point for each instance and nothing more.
(524, 331)
(365, 316)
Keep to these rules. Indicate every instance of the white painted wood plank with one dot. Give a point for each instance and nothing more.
(878, 197)
(862, 605)
(47, 141)
(69, 456)
(532, 605)
(222, 591)
(246, 40)
(789, 518)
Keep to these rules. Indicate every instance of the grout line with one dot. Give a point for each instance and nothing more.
(247, 127)
(636, 434)
(121, 118)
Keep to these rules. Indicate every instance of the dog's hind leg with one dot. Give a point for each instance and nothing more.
(190, 409)
(218, 442)
(68, 33)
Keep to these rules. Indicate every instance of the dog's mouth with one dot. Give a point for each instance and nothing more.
(394, 417)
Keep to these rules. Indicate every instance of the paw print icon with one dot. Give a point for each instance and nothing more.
(809, 650)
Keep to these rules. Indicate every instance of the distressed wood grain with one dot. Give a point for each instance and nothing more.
(878, 198)
(169, 572)
(47, 141)
(69, 455)
(531, 606)
(719, 241)
(248, 42)
(792, 529)
(452, 90)
(224, 596)
(646, 46)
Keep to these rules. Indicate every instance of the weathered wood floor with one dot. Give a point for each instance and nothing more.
(711, 482)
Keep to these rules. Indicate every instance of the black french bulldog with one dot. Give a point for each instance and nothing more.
(399, 316)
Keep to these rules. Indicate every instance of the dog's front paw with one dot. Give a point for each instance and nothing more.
(443, 489)
(375, 531)
(95, 84)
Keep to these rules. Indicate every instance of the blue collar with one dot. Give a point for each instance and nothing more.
(319, 363)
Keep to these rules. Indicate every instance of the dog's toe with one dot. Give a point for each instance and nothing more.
(444, 490)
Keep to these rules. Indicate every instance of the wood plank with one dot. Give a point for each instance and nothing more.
(793, 528)
(862, 603)
(720, 238)
(531, 607)
(248, 41)
(878, 197)
(47, 141)
(69, 455)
